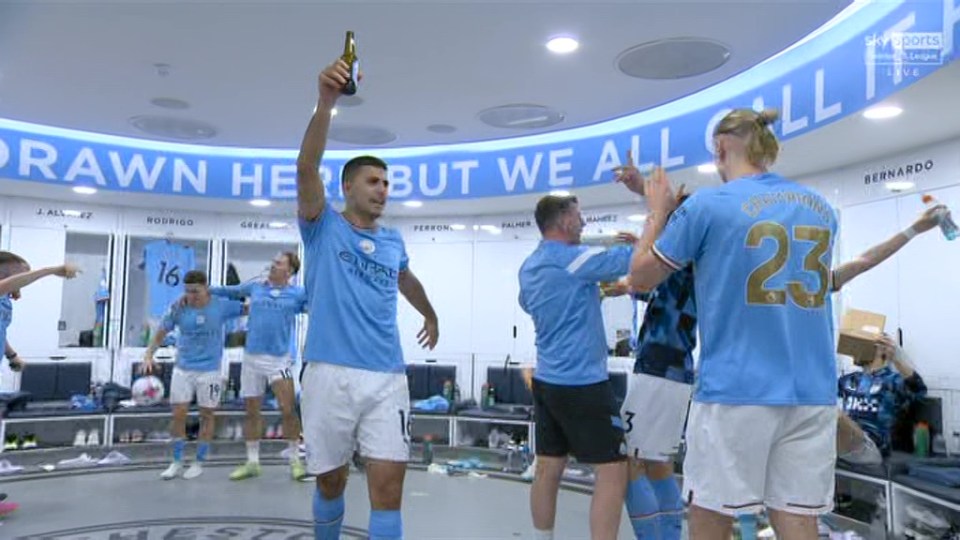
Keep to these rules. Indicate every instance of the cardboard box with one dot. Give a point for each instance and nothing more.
(859, 332)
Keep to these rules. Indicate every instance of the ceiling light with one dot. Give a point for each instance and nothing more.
(458, 226)
(637, 217)
(562, 45)
(882, 112)
(72, 213)
(260, 202)
(707, 168)
(476, 227)
(560, 193)
(902, 185)
(84, 190)
(413, 204)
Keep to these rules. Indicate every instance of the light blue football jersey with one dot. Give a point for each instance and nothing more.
(351, 278)
(762, 250)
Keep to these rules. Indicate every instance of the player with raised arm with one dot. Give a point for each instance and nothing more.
(354, 387)
(274, 306)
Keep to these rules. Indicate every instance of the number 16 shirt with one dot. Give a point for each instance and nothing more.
(166, 264)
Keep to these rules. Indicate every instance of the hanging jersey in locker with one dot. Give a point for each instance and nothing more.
(165, 264)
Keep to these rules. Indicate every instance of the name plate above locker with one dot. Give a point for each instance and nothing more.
(913, 173)
(267, 228)
(609, 221)
(167, 223)
(507, 227)
(439, 230)
(62, 215)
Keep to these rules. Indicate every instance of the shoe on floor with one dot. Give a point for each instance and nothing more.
(8, 468)
(114, 458)
(247, 470)
(297, 470)
(29, 441)
(93, 438)
(195, 470)
(12, 442)
(172, 471)
(80, 439)
(83, 461)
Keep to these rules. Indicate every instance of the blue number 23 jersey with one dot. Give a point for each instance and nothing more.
(762, 249)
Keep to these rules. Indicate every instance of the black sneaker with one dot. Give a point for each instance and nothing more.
(12, 442)
(29, 441)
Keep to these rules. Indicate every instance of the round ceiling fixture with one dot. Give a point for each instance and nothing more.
(173, 128)
(350, 101)
(521, 116)
(562, 45)
(361, 135)
(170, 103)
(441, 128)
(674, 58)
(882, 112)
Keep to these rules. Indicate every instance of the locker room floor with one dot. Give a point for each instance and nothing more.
(134, 504)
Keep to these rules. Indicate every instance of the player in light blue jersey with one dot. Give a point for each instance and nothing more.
(354, 388)
(574, 403)
(762, 427)
(197, 372)
(274, 306)
(15, 274)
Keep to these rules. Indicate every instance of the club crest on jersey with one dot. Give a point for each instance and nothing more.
(201, 319)
(275, 293)
(367, 246)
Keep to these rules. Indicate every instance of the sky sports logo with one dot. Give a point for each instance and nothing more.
(905, 48)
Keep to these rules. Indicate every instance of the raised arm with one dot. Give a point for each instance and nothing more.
(882, 251)
(19, 281)
(310, 192)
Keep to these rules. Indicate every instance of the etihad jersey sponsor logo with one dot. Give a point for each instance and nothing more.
(368, 269)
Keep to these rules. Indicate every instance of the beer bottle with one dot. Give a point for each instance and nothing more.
(350, 58)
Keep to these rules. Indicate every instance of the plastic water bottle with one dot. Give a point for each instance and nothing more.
(921, 440)
(947, 226)
(427, 450)
(748, 526)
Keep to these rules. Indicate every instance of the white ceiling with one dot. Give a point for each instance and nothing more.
(930, 116)
(248, 68)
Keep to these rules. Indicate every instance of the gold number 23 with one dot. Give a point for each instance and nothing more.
(758, 294)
